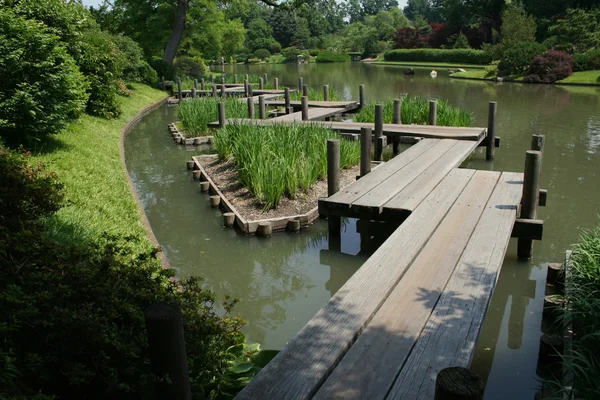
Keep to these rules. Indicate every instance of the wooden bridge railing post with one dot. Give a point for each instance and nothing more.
(366, 137)
(333, 166)
(529, 202)
(286, 97)
(458, 383)
(223, 80)
(325, 92)
(490, 144)
(164, 84)
(262, 109)
(250, 107)
(164, 326)
(261, 83)
(222, 118)
(300, 83)
(378, 132)
(361, 95)
(246, 77)
(304, 108)
(432, 112)
(179, 92)
(276, 83)
(196, 84)
(397, 120)
(202, 84)
(305, 90)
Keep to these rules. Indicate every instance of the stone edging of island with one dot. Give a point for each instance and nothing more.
(179, 137)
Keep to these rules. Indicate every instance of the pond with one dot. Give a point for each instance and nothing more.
(284, 280)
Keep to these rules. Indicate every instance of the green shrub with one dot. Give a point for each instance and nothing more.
(291, 54)
(327, 56)
(241, 57)
(460, 56)
(278, 160)
(262, 54)
(41, 88)
(517, 59)
(188, 66)
(314, 52)
(135, 69)
(461, 42)
(491, 71)
(588, 61)
(73, 324)
(163, 68)
(415, 110)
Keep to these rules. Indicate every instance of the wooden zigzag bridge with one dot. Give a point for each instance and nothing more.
(412, 313)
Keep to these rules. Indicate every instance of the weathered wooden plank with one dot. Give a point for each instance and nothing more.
(528, 229)
(313, 114)
(346, 196)
(303, 365)
(379, 195)
(312, 103)
(449, 337)
(417, 190)
(369, 368)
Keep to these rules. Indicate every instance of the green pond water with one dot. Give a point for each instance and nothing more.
(284, 280)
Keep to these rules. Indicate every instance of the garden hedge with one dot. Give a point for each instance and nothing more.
(461, 56)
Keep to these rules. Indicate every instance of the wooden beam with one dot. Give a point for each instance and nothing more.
(496, 142)
(528, 229)
(543, 197)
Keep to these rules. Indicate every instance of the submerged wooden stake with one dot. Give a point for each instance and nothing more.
(333, 166)
(204, 186)
(432, 112)
(304, 103)
(490, 145)
(293, 224)
(365, 150)
(378, 132)
(215, 201)
(189, 165)
(196, 174)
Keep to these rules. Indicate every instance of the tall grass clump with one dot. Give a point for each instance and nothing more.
(315, 95)
(196, 114)
(415, 110)
(280, 160)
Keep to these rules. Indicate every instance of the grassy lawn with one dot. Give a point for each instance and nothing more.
(478, 74)
(428, 64)
(587, 77)
(86, 157)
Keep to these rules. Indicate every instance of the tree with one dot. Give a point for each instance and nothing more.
(578, 31)
(461, 42)
(234, 35)
(410, 38)
(517, 26)
(285, 24)
(372, 7)
(417, 7)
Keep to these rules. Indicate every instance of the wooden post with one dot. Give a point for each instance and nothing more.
(276, 83)
(196, 84)
(378, 132)
(215, 201)
(246, 77)
(300, 83)
(290, 110)
(194, 95)
(212, 79)
(235, 78)
(432, 112)
(222, 90)
(365, 150)
(293, 224)
(222, 119)
(490, 144)
(189, 164)
(204, 186)
(261, 84)
(265, 78)
(538, 142)
(529, 202)
(304, 108)
(246, 85)
(202, 84)
(214, 90)
(264, 229)
(458, 383)
(166, 343)
(250, 107)
(333, 166)
(326, 92)
(305, 90)
(286, 97)
(361, 96)
(179, 92)
(196, 174)
(223, 80)
(164, 84)
(228, 219)
(397, 119)
(261, 107)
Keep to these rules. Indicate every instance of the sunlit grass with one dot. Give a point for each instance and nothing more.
(314, 94)
(196, 114)
(280, 160)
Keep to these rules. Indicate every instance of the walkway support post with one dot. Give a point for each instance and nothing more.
(265, 78)
(365, 150)
(223, 80)
(378, 132)
(305, 90)
(490, 144)
(222, 119)
(164, 326)
(246, 87)
(261, 83)
(300, 83)
(458, 383)
(202, 84)
(262, 110)
(179, 92)
(193, 93)
(432, 112)
(250, 91)
(222, 90)
(529, 202)
(286, 97)
(214, 90)
(196, 84)
(538, 143)
(397, 119)
(250, 107)
(361, 95)
(326, 92)
(333, 166)
(276, 83)
(212, 79)
(304, 108)
(164, 84)
(235, 78)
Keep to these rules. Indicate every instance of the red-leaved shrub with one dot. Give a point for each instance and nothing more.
(550, 66)
(410, 38)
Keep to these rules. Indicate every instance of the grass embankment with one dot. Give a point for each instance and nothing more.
(86, 157)
(415, 110)
(476, 74)
(580, 77)
(280, 160)
(428, 64)
(196, 114)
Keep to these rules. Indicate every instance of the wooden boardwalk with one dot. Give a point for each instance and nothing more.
(348, 105)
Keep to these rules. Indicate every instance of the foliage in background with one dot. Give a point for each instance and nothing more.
(41, 88)
(291, 54)
(516, 60)
(135, 69)
(280, 160)
(190, 67)
(262, 54)
(196, 114)
(415, 110)
(577, 32)
(590, 60)
(328, 56)
(550, 66)
(465, 56)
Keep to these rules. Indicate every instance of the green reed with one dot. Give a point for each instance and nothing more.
(196, 114)
(315, 94)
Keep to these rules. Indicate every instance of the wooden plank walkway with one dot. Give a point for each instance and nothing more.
(348, 105)
(314, 114)
(416, 305)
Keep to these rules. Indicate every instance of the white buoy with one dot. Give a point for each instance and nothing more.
(433, 73)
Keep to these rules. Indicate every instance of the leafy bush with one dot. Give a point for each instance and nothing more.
(517, 59)
(163, 68)
(410, 38)
(291, 54)
(262, 54)
(41, 88)
(550, 66)
(491, 71)
(314, 52)
(135, 69)
(327, 56)
(188, 66)
(73, 324)
(590, 60)
(461, 42)
(461, 56)
(241, 57)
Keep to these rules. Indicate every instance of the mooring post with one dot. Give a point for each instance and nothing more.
(250, 107)
(333, 166)
(262, 109)
(261, 83)
(378, 132)
(235, 78)
(166, 343)
(300, 83)
(529, 202)
(286, 97)
(397, 119)
(325, 92)
(458, 383)
(193, 93)
(222, 119)
(366, 136)
(276, 83)
(196, 84)
(202, 84)
(361, 95)
(305, 90)
(265, 78)
(490, 144)
(214, 90)
(432, 112)
(164, 84)
(179, 92)
(304, 108)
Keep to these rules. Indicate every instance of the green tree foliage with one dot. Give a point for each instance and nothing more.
(285, 25)
(327, 56)
(516, 60)
(517, 26)
(416, 8)
(372, 7)
(461, 42)
(135, 69)
(291, 54)
(262, 54)
(590, 60)
(41, 87)
(578, 31)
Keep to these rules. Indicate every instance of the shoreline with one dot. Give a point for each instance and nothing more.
(558, 83)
